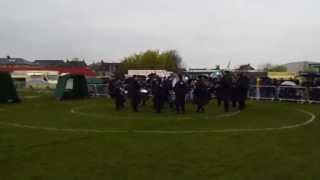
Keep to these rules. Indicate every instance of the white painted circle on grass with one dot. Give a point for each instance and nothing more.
(76, 111)
(30, 97)
(286, 127)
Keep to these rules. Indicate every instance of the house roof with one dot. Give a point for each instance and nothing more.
(50, 62)
(246, 67)
(60, 63)
(77, 63)
(70, 70)
(14, 61)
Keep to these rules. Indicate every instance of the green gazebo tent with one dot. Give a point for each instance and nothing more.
(71, 86)
(8, 92)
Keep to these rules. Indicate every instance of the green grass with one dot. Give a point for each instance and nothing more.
(40, 154)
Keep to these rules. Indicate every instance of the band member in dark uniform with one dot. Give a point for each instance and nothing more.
(167, 87)
(218, 90)
(144, 93)
(234, 92)
(134, 93)
(200, 95)
(111, 88)
(242, 87)
(118, 96)
(226, 85)
(180, 90)
(158, 92)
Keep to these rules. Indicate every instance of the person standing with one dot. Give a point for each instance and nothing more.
(180, 90)
(167, 87)
(218, 90)
(144, 93)
(134, 93)
(243, 87)
(111, 88)
(201, 95)
(118, 96)
(234, 94)
(226, 85)
(158, 92)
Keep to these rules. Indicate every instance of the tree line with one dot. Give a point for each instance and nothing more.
(152, 60)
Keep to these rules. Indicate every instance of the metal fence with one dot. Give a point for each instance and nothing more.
(285, 93)
(314, 94)
(94, 89)
(98, 89)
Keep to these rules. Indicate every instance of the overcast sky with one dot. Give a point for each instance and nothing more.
(205, 32)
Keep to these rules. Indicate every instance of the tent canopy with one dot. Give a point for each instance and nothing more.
(71, 86)
(8, 92)
(288, 83)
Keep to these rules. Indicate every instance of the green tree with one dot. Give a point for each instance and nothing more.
(278, 68)
(152, 59)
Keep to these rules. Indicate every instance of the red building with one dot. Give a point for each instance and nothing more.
(74, 67)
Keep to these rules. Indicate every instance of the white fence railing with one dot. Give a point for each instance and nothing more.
(285, 93)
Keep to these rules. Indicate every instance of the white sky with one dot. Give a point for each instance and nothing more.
(205, 32)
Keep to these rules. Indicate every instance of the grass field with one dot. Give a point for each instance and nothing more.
(42, 138)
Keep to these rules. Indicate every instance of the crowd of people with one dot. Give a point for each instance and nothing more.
(290, 89)
(266, 81)
(228, 89)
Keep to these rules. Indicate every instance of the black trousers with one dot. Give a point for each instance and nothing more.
(226, 104)
(135, 103)
(158, 104)
(219, 102)
(180, 104)
(200, 108)
(234, 103)
(242, 104)
(119, 104)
